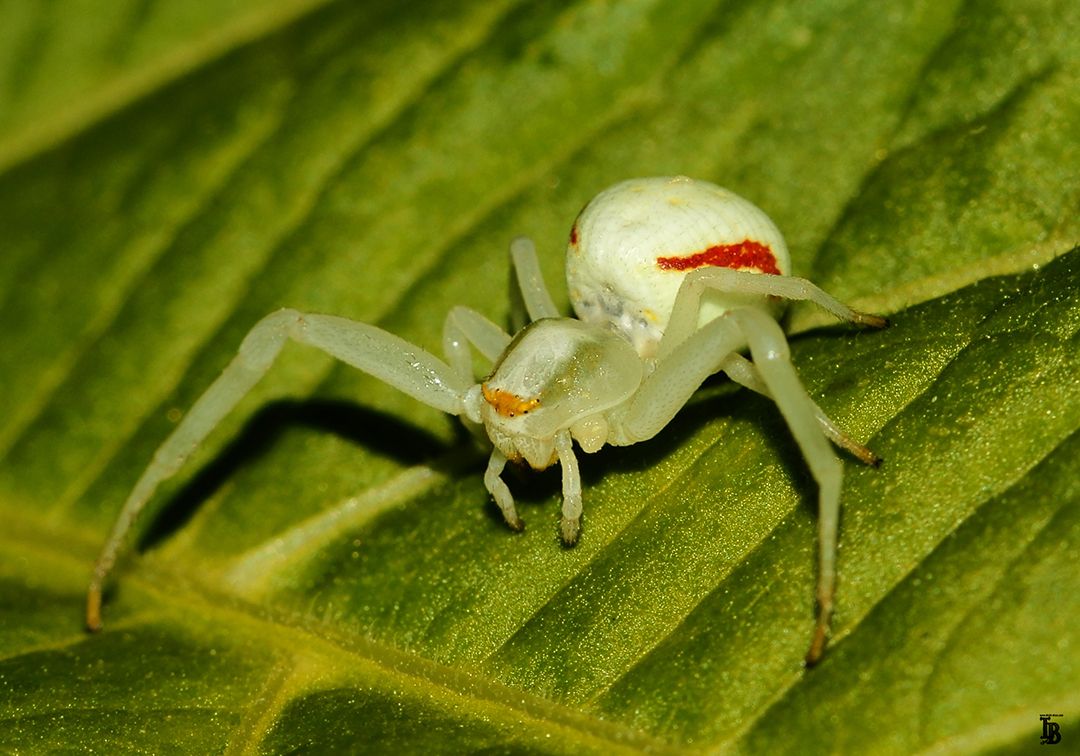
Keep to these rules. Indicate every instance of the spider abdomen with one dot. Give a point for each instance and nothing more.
(632, 246)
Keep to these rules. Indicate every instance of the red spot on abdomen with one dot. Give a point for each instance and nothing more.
(741, 255)
(573, 234)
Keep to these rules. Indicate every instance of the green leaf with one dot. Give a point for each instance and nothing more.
(328, 573)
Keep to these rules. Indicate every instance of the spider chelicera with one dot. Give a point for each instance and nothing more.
(671, 279)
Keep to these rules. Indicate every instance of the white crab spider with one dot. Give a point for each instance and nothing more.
(665, 275)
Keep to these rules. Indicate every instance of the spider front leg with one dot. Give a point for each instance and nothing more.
(674, 379)
(742, 371)
(704, 352)
(769, 348)
(383, 355)
(684, 313)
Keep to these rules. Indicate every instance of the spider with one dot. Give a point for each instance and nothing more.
(671, 278)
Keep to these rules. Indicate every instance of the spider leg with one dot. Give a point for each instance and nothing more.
(742, 371)
(684, 313)
(498, 488)
(675, 378)
(570, 525)
(530, 280)
(768, 347)
(383, 355)
(462, 327)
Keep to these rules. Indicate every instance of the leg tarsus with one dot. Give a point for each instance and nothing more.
(870, 320)
(820, 637)
(817, 644)
(93, 607)
(569, 530)
(862, 453)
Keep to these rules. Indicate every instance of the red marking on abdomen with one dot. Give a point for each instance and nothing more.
(573, 234)
(741, 255)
